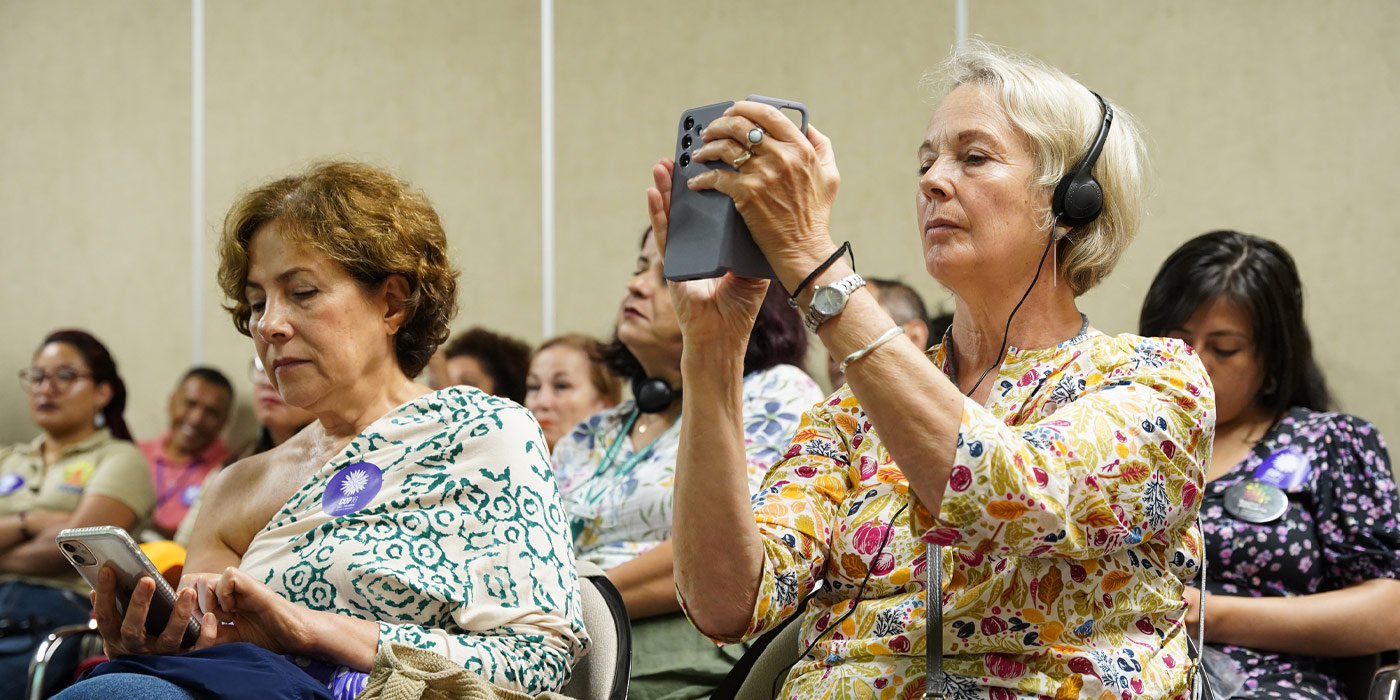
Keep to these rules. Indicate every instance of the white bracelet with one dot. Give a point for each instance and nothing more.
(887, 337)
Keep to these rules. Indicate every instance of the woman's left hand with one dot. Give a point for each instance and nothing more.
(713, 313)
(785, 191)
(259, 615)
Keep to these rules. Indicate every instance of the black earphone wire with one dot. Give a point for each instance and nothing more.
(886, 540)
(1007, 333)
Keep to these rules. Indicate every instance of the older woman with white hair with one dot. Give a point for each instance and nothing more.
(1036, 479)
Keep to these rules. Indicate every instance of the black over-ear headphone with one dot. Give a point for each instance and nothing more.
(1079, 197)
(653, 394)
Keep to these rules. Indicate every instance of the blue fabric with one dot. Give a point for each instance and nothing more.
(239, 670)
(125, 685)
(40, 610)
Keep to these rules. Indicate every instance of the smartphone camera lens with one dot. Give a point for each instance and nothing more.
(689, 123)
(80, 560)
(685, 142)
(68, 547)
(685, 159)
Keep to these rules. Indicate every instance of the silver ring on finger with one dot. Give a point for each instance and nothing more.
(755, 136)
(743, 158)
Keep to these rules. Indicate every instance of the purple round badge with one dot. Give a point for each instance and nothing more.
(9, 483)
(189, 494)
(352, 488)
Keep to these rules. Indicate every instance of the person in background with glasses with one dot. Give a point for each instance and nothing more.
(81, 471)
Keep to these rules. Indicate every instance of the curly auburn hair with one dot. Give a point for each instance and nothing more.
(370, 223)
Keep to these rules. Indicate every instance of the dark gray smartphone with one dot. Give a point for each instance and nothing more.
(706, 236)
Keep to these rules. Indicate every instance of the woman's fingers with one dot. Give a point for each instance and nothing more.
(729, 127)
(174, 632)
(225, 592)
(774, 122)
(104, 606)
(663, 173)
(659, 202)
(826, 155)
(657, 215)
(133, 628)
(727, 150)
(208, 631)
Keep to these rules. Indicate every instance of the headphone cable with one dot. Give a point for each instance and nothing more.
(782, 676)
(1007, 332)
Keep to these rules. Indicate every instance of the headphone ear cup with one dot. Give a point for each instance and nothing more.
(1078, 199)
(653, 395)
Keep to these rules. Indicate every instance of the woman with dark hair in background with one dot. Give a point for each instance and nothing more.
(491, 362)
(617, 467)
(1299, 512)
(82, 471)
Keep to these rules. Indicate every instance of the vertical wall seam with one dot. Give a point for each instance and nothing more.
(197, 179)
(547, 167)
(961, 21)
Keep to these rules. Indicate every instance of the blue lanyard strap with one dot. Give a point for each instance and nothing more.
(616, 445)
(594, 490)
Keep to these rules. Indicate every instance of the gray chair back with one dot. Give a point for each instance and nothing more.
(603, 672)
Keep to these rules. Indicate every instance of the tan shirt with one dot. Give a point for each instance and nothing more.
(100, 465)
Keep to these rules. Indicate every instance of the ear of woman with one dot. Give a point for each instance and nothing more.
(395, 292)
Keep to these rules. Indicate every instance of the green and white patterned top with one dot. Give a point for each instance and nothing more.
(441, 521)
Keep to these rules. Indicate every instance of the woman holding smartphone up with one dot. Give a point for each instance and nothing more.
(1011, 514)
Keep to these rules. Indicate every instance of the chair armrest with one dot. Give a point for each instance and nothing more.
(60, 638)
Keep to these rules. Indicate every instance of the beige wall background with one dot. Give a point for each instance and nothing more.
(1271, 117)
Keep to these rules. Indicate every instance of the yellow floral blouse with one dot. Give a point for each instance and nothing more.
(1068, 526)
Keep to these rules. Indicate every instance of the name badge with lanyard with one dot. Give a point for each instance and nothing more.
(583, 507)
(1262, 498)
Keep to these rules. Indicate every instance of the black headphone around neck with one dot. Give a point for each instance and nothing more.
(1079, 197)
(653, 394)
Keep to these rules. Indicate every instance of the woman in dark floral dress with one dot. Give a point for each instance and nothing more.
(1300, 512)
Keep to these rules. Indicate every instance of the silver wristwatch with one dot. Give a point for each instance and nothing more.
(828, 300)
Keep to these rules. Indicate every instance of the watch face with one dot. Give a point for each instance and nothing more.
(828, 300)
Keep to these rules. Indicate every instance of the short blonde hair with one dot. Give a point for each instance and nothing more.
(1059, 118)
(370, 223)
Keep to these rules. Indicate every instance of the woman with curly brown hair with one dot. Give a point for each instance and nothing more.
(348, 537)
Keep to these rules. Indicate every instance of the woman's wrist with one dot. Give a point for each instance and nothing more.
(705, 362)
(336, 638)
(312, 633)
(1219, 614)
(795, 265)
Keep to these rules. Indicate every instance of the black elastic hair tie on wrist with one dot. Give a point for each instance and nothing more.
(845, 248)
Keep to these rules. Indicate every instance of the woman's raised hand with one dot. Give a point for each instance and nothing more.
(784, 191)
(716, 314)
(123, 635)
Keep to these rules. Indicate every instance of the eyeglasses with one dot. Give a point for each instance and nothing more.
(62, 378)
